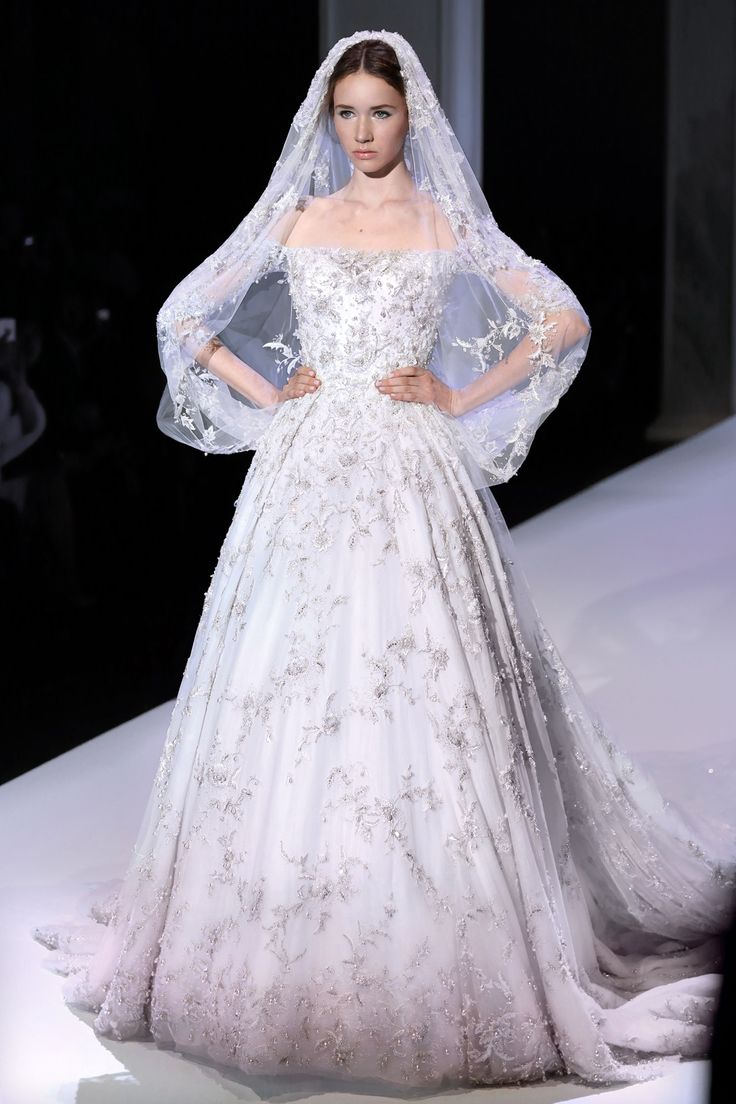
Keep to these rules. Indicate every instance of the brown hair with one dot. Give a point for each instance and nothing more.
(371, 55)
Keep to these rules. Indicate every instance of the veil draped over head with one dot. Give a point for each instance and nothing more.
(512, 335)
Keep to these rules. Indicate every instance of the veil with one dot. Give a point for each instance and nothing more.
(511, 337)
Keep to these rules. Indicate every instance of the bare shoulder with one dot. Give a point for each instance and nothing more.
(434, 219)
(313, 211)
(446, 239)
(286, 224)
(306, 201)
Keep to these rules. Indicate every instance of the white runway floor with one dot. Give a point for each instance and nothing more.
(636, 580)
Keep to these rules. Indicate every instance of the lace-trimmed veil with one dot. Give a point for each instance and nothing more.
(508, 319)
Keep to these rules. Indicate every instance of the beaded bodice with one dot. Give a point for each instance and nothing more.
(362, 312)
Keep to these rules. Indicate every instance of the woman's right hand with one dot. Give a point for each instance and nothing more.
(303, 382)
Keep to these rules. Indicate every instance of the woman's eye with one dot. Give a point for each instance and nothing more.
(345, 112)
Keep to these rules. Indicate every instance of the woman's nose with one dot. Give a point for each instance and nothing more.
(364, 132)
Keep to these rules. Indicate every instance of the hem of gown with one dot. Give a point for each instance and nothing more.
(625, 1066)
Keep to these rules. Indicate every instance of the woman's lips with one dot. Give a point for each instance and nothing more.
(364, 155)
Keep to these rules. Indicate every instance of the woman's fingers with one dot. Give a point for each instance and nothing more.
(303, 382)
(309, 376)
(409, 384)
(402, 376)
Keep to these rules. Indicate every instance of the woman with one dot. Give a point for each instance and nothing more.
(387, 836)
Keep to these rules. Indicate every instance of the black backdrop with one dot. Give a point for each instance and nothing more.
(125, 165)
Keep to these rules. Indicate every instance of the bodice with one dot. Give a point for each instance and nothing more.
(362, 312)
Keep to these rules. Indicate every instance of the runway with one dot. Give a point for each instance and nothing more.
(635, 579)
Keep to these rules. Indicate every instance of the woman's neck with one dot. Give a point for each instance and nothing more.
(396, 185)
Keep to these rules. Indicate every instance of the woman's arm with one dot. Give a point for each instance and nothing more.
(570, 328)
(222, 362)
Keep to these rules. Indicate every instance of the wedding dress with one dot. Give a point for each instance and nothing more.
(388, 837)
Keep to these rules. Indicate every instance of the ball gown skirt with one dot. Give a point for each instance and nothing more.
(388, 837)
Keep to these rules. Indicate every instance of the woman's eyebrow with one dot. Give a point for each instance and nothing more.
(374, 108)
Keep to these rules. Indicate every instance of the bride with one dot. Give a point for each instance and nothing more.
(388, 837)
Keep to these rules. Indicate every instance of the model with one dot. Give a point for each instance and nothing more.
(388, 837)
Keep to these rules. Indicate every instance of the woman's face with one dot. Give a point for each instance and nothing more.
(371, 120)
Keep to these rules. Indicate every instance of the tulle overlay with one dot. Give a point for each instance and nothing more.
(388, 837)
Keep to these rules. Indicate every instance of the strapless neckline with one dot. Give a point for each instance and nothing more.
(356, 249)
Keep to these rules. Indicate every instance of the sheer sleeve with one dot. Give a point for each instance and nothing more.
(512, 338)
(227, 343)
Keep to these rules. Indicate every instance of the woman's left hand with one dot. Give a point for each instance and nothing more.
(417, 384)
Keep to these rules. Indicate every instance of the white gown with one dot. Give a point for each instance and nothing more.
(387, 836)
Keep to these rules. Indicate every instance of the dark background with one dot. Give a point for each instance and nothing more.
(138, 137)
